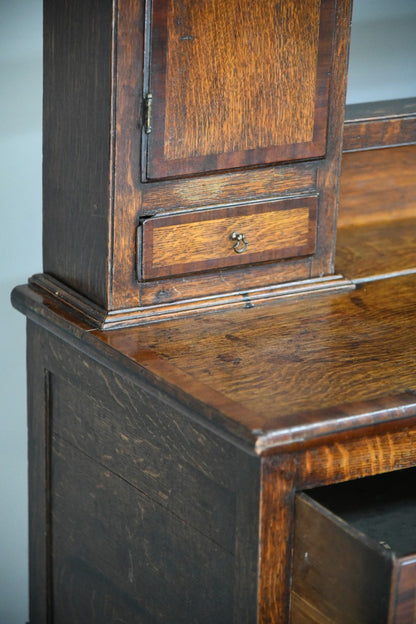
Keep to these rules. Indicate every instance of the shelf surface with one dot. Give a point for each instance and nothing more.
(273, 374)
(376, 250)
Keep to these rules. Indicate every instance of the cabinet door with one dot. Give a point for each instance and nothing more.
(237, 83)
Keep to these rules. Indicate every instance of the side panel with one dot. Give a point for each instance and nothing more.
(76, 144)
(138, 513)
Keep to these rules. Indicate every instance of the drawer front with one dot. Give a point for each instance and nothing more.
(354, 550)
(228, 237)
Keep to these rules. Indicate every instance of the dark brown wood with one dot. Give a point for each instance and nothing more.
(76, 146)
(404, 591)
(337, 577)
(328, 175)
(94, 197)
(203, 240)
(153, 567)
(312, 376)
(379, 124)
(166, 458)
(354, 552)
(152, 418)
(40, 565)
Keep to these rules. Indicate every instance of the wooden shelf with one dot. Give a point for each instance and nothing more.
(380, 124)
(377, 250)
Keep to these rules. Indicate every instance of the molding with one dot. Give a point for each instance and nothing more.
(375, 125)
(99, 318)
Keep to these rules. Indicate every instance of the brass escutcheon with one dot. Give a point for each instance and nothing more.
(241, 242)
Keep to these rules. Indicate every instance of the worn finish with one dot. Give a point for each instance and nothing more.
(127, 488)
(165, 458)
(276, 522)
(133, 405)
(223, 188)
(349, 334)
(76, 193)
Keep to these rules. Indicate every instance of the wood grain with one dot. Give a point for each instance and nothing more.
(358, 456)
(363, 532)
(337, 572)
(201, 240)
(379, 124)
(228, 188)
(96, 70)
(276, 522)
(76, 120)
(156, 430)
(152, 469)
(139, 448)
(321, 353)
(151, 566)
(206, 81)
(40, 569)
(375, 250)
(377, 185)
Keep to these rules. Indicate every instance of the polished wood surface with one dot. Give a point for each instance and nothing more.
(377, 250)
(209, 113)
(202, 240)
(319, 355)
(90, 234)
(313, 374)
(166, 455)
(228, 188)
(377, 185)
(405, 590)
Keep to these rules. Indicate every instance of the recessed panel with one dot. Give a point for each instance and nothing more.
(237, 83)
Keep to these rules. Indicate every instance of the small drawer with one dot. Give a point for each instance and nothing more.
(354, 555)
(227, 237)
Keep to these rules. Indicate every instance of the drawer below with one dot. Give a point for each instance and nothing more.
(354, 556)
(227, 237)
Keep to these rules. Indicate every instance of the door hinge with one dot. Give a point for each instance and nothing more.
(147, 113)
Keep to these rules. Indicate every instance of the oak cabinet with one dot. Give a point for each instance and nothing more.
(215, 114)
(191, 165)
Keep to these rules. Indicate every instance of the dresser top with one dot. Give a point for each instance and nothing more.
(277, 374)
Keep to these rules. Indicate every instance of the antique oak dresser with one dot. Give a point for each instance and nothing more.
(222, 345)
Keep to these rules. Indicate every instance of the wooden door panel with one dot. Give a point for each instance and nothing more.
(237, 83)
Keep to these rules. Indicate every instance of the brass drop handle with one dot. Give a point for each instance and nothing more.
(241, 242)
